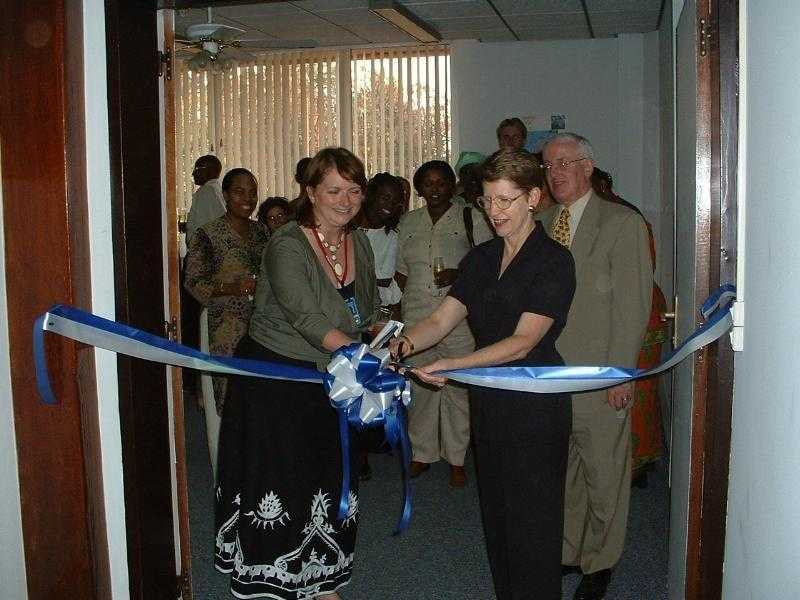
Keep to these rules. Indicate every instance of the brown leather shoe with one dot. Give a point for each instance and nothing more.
(418, 468)
(458, 477)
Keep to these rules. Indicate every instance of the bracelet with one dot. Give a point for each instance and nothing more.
(407, 341)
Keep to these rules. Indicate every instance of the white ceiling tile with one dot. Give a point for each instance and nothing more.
(636, 22)
(594, 6)
(247, 11)
(532, 7)
(560, 34)
(326, 5)
(549, 21)
(461, 8)
(478, 23)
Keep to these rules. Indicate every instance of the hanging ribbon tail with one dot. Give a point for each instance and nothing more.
(344, 436)
(40, 362)
(405, 464)
(544, 380)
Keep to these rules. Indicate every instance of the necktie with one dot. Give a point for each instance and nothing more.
(561, 228)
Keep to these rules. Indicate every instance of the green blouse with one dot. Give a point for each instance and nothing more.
(296, 304)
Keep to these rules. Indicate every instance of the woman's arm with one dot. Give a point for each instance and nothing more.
(199, 276)
(529, 332)
(430, 330)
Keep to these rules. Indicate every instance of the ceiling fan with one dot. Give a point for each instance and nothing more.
(220, 46)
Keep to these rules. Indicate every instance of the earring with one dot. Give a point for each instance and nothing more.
(531, 208)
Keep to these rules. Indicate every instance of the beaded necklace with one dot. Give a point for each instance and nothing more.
(329, 252)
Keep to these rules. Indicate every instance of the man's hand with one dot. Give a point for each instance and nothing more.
(620, 396)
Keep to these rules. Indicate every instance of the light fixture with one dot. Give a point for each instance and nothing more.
(404, 20)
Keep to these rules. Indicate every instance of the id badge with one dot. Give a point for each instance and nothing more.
(353, 308)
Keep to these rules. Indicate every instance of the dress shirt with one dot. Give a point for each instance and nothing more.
(208, 204)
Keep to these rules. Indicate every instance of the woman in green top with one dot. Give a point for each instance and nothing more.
(279, 455)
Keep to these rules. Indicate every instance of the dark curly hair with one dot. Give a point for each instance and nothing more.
(269, 204)
(384, 180)
(433, 165)
(227, 181)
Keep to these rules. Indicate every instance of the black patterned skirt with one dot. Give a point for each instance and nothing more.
(278, 493)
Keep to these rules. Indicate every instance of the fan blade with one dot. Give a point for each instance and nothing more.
(226, 33)
(266, 44)
(182, 39)
(234, 53)
(185, 55)
(200, 60)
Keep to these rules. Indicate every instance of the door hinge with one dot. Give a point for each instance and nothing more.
(704, 36)
(183, 586)
(165, 64)
(171, 329)
(737, 331)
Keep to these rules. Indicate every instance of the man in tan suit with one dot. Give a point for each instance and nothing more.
(606, 326)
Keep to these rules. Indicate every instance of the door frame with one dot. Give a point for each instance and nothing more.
(717, 137)
(166, 21)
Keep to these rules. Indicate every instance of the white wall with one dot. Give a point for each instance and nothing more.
(763, 529)
(12, 557)
(609, 90)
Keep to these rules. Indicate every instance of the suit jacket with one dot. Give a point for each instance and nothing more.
(614, 286)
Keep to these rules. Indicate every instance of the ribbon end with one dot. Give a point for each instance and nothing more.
(40, 363)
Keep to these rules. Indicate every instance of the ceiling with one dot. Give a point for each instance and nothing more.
(350, 23)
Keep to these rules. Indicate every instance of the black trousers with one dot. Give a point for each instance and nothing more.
(521, 445)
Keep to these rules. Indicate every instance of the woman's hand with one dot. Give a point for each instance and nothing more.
(446, 277)
(246, 286)
(400, 347)
(426, 374)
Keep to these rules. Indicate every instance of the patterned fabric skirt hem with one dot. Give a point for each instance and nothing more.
(318, 592)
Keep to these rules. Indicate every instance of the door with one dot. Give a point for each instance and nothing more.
(705, 240)
(690, 174)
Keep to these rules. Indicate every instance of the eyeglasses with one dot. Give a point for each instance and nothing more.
(278, 217)
(561, 163)
(501, 203)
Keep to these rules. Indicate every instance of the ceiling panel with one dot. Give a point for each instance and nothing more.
(550, 21)
(636, 22)
(594, 6)
(256, 10)
(532, 7)
(349, 22)
(461, 8)
(326, 5)
(489, 22)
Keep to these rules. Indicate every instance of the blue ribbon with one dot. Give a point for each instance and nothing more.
(360, 388)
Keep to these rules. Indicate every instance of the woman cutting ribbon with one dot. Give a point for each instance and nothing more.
(280, 465)
(515, 292)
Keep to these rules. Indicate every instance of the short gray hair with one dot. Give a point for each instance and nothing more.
(584, 145)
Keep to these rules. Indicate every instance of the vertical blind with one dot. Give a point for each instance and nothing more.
(267, 114)
(401, 107)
